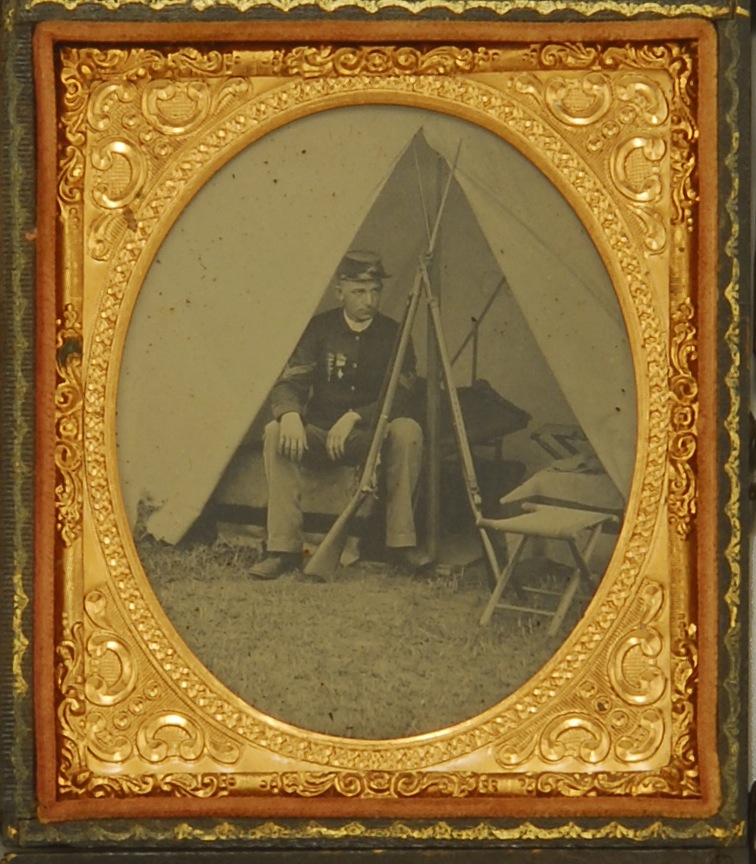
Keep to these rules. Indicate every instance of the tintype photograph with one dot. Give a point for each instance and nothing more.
(386, 481)
(254, 406)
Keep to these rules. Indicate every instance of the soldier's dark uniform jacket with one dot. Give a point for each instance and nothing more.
(335, 369)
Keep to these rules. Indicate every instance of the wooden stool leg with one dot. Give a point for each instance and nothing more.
(494, 569)
(581, 569)
(501, 584)
(582, 558)
(564, 604)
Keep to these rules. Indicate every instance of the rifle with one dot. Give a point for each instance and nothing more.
(326, 558)
(460, 432)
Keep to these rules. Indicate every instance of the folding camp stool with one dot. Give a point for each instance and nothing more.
(553, 523)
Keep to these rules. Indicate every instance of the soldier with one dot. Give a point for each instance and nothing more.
(324, 404)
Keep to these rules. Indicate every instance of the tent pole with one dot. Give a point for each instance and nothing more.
(473, 332)
(433, 409)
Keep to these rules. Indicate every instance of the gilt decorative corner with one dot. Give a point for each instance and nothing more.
(563, 203)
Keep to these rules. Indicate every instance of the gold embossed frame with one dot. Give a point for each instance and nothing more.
(632, 717)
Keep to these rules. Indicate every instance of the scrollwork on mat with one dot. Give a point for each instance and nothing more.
(684, 682)
(645, 107)
(680, 778)
(109, 717)
(623, 721)
(299, 92)
(634, 670)
(180, 669)
(310, 62)
(69, 400)
(134, 109)
(683, 419)
(381, 784)
(579, 101)
(156, 121)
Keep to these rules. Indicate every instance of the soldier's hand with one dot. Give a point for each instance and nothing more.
(292, 440)
(338, 434)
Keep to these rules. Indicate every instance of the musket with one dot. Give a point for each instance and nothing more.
(326, 558)
(472, 487)
(463, 443)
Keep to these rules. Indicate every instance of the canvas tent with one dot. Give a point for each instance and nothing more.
(252, 258)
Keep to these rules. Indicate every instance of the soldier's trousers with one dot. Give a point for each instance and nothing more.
(401, 462)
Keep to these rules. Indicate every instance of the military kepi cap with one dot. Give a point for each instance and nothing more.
(361, 266)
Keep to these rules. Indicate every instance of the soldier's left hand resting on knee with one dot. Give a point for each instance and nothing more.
(338, 434)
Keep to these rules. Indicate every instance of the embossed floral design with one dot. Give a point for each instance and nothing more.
(144, 124)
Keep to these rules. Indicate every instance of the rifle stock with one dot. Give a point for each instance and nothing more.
(326, 557)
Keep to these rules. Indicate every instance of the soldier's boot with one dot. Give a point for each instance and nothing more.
(411, 559)
(275, 564)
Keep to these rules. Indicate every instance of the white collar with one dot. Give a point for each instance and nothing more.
(356, 326)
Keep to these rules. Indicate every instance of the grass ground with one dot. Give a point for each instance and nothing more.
(375, 653)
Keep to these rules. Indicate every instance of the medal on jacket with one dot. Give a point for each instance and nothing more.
(341, 361)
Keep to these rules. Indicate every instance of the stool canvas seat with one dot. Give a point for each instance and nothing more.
(577, 529)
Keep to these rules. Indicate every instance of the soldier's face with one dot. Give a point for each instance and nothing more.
(360, 299)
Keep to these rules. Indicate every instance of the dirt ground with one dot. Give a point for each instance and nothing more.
(375, 653)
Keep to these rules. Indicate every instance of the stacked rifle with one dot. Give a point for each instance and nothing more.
(326, 558)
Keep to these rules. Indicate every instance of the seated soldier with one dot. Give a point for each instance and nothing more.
(324, 406)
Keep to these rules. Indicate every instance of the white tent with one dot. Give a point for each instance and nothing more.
(249, 261)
